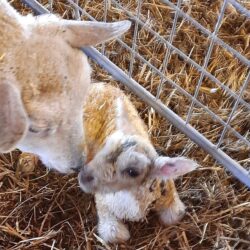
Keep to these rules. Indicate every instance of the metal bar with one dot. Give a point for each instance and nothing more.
(50, 7)
(235, 168)
(239, 7)
(105, 20)
(179, 52)
(77, 15)
(36, 7)
(207, 58)
(247, 80)
(168, 53)
(81, 10)
(209, 34)
(131, 65)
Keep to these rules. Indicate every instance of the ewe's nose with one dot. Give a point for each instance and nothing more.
(77, 169)
(79, 164)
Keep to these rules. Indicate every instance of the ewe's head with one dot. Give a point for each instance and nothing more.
(43, 80)
(127, 162)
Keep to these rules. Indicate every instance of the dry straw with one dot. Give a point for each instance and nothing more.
(41, 210)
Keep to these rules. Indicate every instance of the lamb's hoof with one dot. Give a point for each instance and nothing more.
(113, 231)
(173, 214)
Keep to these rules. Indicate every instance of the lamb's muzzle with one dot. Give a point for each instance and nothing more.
(87, 180)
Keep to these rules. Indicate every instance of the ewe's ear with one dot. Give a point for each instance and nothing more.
(170, 168)
(13, 119)
(83, 33)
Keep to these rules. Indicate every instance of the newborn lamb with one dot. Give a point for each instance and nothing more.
(123, 169)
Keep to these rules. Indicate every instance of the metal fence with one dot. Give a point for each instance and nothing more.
(166, 40)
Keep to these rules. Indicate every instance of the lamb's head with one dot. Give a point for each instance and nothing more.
(126, 163)
(43, 80)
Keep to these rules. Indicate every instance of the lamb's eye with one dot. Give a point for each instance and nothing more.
(132, 172)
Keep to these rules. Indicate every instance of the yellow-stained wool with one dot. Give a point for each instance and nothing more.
(100, 116)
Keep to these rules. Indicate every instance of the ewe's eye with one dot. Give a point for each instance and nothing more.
(40, 131)
(34, 130)
(132, 172)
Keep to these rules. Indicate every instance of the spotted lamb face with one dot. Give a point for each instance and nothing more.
(123, 169)
(125, 162)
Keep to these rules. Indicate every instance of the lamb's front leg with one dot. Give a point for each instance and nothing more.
(110, 228)
(169, 206)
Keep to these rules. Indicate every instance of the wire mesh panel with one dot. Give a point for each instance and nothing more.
(198, 77)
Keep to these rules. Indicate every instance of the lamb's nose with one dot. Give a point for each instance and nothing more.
(86, 177)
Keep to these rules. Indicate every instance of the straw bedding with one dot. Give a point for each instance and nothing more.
(41, 210)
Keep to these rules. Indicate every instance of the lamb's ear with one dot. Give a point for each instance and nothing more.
(13, 119)
(84, 33)
(170, 168)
